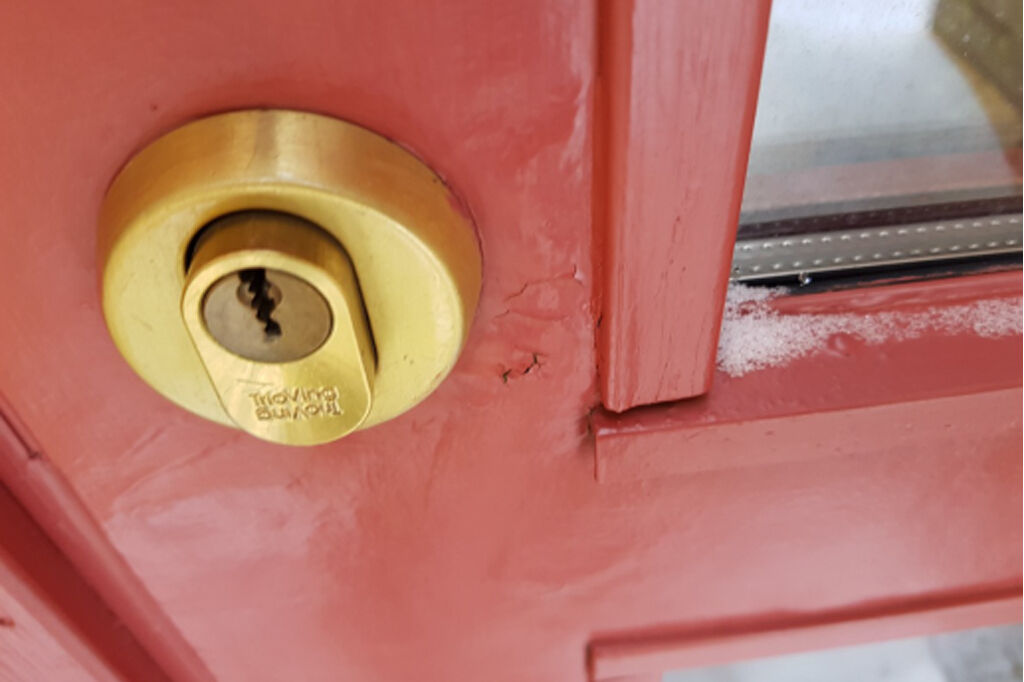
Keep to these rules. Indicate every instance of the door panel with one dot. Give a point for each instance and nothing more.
(467, 539)
(395, 553)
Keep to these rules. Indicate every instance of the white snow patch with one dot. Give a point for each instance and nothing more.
(755, 336)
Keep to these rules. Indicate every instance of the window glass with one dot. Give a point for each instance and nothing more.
(877, 104)
(981, 655)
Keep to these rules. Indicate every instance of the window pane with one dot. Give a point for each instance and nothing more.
(982, 655)
(869, 104)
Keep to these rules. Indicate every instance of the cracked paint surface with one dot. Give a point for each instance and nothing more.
(466, 539)
(240, 541)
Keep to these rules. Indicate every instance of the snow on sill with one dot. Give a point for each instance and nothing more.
(755, 336)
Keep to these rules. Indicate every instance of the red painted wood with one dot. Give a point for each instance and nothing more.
(918, 396)
(394, 554)
(647, 654)
(688, 445)
(55, 508)
(888, 440)
(679, 87)
(28, 652)
(51, 619)
(467, 539)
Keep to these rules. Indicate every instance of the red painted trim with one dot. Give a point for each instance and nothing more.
(679, 84)
(857, 398)
(653, 654)
(945, 406)
(90, 563)
(756, 442)
(41, 579)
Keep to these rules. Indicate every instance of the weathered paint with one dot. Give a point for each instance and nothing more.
(79, 543)
(641, 655)
(53, 625)
(467, 539)
(909, 394)
(679, 84)
(396, 553)
(27, 649)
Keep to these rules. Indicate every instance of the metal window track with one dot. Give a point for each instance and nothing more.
(804, 255)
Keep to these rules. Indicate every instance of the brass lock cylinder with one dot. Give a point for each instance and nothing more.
(289, 274)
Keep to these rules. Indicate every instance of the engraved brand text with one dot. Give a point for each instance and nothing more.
(293, 404)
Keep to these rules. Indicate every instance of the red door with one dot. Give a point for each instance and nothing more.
(585, 496)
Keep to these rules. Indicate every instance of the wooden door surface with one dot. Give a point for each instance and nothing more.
(510, 527)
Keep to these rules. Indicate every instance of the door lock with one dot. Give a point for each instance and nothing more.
(289, 274)
(273, 308)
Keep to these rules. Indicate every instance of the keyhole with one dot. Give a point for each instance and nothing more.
(266, 315)
(262, 296)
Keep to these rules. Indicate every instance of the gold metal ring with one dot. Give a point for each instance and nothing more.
(413, 249)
